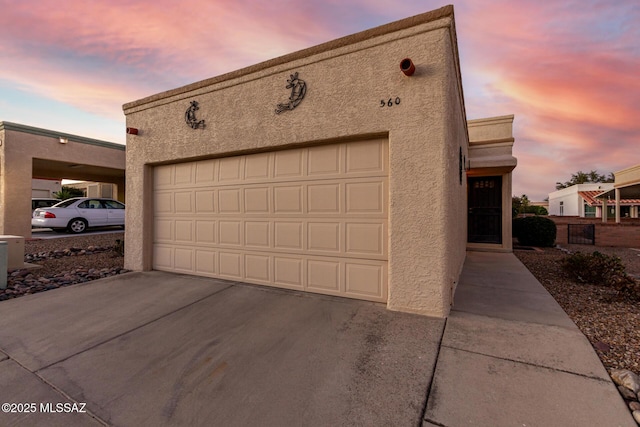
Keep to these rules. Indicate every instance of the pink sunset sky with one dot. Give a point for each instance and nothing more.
(568, 70)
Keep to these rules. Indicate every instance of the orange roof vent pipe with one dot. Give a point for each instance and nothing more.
(407, 67)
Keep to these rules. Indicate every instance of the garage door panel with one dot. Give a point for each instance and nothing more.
(183, 202)
(288, 164)
(257, 167)
(184, 173)
(257, 268)
(323, 275)
(206, 232)
(312, 219)
(324, 198)
(365, 197)
(288, 272)
(230, 265)
(206, 262)
(205, 173)
(183, 260)
(229, 201)
(325, 160)
(163, 176)
(256, 200)
(162, 257)
(230, 232)
(205, 201)
(366, 157)
(288, 199)
(230, 169)
(257, 234)
(163, 229)
(163, 203)
(288, 235)
(365, 280)
(365, 238)
(324, 237)
(184, 231)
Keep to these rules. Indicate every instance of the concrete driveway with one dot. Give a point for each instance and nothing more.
(154, 349)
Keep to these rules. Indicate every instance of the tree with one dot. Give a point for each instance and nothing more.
(522, 205)
(68, 192)
(585, 178)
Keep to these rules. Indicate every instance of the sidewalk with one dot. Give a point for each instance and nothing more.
(510, 356)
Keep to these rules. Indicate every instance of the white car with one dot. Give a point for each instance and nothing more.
(80, 213)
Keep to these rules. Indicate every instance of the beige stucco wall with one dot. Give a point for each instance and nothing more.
(21, 144)
(346, 80)
(490, 154)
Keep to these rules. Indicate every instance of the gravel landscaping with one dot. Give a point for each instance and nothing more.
(65, 261)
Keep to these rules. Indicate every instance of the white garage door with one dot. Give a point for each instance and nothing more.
(312, 219)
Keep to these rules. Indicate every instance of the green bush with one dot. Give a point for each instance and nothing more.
(535, 231)
(603, 270)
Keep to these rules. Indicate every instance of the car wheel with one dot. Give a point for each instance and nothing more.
(77, 225)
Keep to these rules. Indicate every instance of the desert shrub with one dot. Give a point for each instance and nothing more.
(535, 231)
(516, 225)
(604, 270)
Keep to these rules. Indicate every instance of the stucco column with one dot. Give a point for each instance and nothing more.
(617, 206)
(17, 184)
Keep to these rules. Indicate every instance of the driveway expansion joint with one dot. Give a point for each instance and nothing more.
(433, 374)
(535, 365)
(134, 329)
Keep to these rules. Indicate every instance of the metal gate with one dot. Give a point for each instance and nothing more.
(581, 234)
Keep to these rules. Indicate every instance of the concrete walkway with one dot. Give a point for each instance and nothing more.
(510, 356)
(157, 349)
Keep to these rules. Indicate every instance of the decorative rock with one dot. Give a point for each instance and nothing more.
(626, 393)
(636, 416)
(634, 406)
(602, 346)
(626, 378)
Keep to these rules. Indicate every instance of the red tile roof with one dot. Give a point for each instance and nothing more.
(591, 198)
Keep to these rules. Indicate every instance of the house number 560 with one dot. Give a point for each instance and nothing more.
(390, 103)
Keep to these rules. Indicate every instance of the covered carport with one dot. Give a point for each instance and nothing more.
(27, 152)
(626, 190)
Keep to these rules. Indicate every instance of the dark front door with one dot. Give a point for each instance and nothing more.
(485, 210)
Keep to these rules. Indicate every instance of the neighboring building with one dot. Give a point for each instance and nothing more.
(96, 189)
(28, 152)
(340, 169)
(620, 199)
(625, 195)
(578, 200)
(45, 187)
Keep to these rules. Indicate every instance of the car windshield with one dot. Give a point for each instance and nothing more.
(65, 203)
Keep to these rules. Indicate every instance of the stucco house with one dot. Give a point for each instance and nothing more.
(343, 169)
(578, 200)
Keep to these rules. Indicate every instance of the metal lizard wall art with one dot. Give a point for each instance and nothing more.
(190, 116)
(298, 91)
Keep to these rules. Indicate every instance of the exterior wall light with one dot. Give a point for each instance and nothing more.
(63, 140)
(407, 67)
(132, 131)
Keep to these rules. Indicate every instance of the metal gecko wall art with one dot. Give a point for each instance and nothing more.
(298, 91)
(190, 116)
